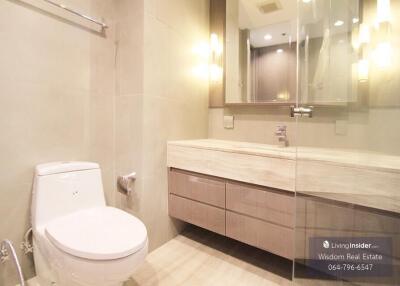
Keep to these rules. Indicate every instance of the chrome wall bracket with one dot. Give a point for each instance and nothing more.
(4, 255)
(62, 6)
(7, 252)
(301, 111)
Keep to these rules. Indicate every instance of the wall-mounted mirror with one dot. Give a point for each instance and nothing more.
(328, 56)
(261, 57)
(324, 56)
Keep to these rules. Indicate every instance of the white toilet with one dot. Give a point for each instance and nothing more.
(78, 240)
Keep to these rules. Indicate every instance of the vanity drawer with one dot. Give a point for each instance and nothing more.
(270, 237)
(263, 203)
(196, 213)
(197, 187)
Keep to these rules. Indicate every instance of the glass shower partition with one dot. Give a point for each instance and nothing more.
(348, 153)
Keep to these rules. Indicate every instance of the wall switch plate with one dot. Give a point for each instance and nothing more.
(229, 121)
(341, 127)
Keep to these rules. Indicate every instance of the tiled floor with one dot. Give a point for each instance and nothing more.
(199, 257)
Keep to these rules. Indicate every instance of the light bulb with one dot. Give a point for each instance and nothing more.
(216, 72)
(216, 46)
(214, 42)
(338, 23)
(363, 70)
(267, 37)
(202, 51)
(383, 11)
(201, 72)
(364, 35)
(383, 55)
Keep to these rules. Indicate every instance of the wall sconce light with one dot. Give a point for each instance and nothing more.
(201, 54)
(383, 55)
(216, 46)
(216, 72)
(383, 11)
(363, 70)
(209, 60)
(364, 35)
(216, 51)
(361, 36)
(383, 52)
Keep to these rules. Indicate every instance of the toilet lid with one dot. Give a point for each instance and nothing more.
(101, 233)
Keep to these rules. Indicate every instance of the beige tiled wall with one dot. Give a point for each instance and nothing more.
(69, 93)
(171, 104)
(129, 95)
(252, 124)
(56, 103)
(372, 130)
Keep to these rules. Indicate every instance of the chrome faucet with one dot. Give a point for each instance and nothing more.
(281, 134)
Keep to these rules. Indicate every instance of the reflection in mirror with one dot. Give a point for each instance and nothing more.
(327, 58)
(260, 52)
(346, 53)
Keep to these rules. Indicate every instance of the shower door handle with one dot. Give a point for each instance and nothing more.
(301, 111)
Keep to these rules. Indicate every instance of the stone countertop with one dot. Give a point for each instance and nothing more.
(352, 176)
(239, 147)
(345, 157)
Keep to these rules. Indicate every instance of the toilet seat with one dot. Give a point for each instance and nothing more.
(101, 233)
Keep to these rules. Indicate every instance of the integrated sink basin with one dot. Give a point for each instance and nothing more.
(353, 176)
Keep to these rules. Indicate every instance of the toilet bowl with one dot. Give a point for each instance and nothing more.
(78, 240)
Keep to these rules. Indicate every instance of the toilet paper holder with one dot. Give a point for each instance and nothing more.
(123, 183)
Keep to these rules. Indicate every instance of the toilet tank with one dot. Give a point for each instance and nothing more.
(61, 188)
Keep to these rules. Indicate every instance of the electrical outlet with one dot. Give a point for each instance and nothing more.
(229, 121)
(341, 127)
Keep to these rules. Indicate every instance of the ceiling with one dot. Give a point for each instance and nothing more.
(280, 32)
(282, 21)
(251, 17)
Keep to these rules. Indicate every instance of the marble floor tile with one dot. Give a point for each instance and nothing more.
(199, 257)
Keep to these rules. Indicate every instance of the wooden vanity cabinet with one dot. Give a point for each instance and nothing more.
(196, 213)
(261, 234)
(261, 216)
(258, 216)
(197, 187)
(261, 202)
(197, 199)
